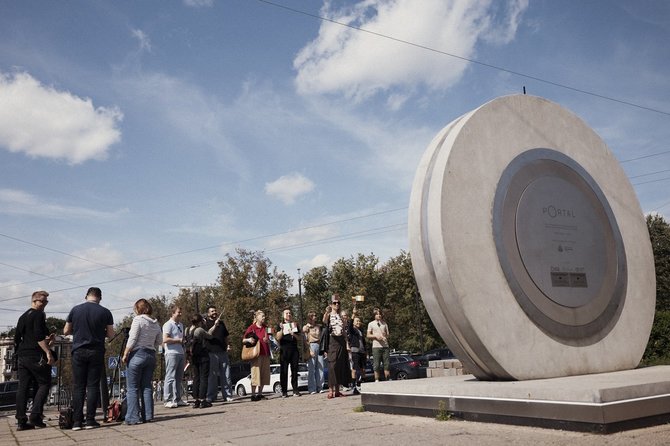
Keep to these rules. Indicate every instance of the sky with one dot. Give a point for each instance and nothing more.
(142, 141)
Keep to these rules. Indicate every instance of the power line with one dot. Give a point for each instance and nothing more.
(220, 245)
(644, 156)
(466, 59)
(650, 173)
(372, 231)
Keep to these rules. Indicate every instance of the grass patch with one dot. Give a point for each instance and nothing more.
(442, 414)
(359, 409)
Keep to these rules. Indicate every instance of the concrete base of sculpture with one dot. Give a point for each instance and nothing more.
(600, 403)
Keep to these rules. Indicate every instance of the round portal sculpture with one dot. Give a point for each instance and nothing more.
(529, 246)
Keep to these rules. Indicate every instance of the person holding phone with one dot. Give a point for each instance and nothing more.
(288, 336)
(339, 372)
(32, 341)
(219, 362)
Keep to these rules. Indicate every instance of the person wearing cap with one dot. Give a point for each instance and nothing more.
(32, 341)
(88, 323)
(338, 358)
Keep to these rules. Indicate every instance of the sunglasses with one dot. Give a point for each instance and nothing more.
(41, 301)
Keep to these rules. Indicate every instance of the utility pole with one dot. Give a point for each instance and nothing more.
(302, 321)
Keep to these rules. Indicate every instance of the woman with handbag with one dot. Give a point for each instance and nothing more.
(259, 333)
(339, 372)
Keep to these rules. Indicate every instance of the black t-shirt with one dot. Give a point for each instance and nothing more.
(89, 325)
(287, 340)
(219, 341)
(31, 328)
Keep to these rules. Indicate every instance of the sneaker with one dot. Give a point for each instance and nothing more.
(196, 405)
(254, 398)
(312, 393)
(91, 424)
(228, 399)
(296, 393)
(24, 427)
(205, 404)
(172, 405)
(76, 426)
(284, 395)
(180, 403)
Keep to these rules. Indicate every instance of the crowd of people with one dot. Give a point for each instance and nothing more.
(204, 346)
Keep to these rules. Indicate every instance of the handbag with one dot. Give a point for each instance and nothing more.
(324, 339)
(250, 353)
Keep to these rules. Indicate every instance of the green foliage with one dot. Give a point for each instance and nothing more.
(442, 414)
(659, 234)
(658, 347)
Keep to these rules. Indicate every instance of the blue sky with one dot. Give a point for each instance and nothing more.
(141, 141)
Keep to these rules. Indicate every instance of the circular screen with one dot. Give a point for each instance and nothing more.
(560, 247)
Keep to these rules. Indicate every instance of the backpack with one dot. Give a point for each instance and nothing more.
(117, 411)
(192, 346)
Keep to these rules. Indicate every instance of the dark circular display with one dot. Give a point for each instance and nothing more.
(559, 246)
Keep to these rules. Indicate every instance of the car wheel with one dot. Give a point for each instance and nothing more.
(401, 375)
(240, 390)
(276, 388)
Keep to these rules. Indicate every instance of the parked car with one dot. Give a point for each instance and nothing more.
(8, 391)
(243, 386)
(406, 367)
(438, 353)
(238, 371)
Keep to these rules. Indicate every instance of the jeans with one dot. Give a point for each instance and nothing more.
(29, 370)
(140, 370)
(219, 374)
(174, 374)
(87, 365)
(315, 369)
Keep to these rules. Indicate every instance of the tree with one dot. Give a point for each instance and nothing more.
(248, 282)
(658, 347)
(659, 234)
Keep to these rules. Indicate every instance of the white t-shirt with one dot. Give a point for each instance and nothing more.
(174, 330)
(379, 328)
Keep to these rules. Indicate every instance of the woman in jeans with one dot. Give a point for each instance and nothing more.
(140, 357)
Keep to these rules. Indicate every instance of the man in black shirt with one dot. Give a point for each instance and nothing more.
(32, 343)
(288, 336)
(88, 323)
(219, 362)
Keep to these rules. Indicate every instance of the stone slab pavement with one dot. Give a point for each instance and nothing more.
(309, 418)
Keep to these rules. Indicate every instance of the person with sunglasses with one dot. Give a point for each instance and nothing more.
(378, 331)
(32, 342)
(339, 372)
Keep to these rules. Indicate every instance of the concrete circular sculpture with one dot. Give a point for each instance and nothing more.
(529, 245)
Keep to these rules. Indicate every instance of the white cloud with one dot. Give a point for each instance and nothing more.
(199, 3)
(18, 202)
(92, 259)
(360, 64)
(289, 187)
(143, 39)
(300, 238)
(41, 121)
(316, 261)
